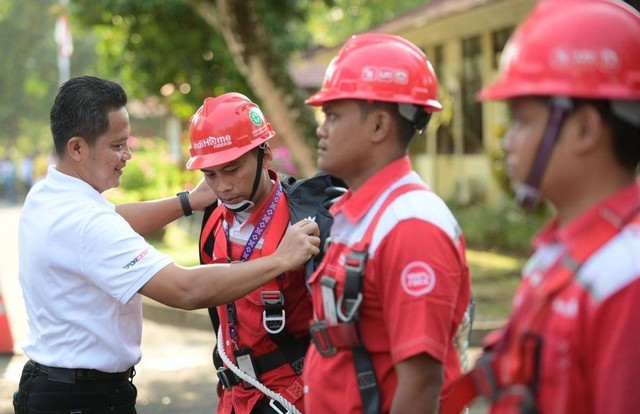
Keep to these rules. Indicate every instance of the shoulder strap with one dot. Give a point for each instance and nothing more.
(352, 297)
(212, 217)
(207, 234)
(306, 198)
(356, 259)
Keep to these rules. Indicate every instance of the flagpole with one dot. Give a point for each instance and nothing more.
(62, 35)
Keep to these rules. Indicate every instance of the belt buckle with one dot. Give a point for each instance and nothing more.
(225, 380)
(277, 407)
(272, 300)
(320, 337)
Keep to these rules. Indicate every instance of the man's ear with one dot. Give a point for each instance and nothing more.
(590, 129)
(382, 125)
(267, 159)
(77, 148)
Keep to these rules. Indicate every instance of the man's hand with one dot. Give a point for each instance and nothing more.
(299, 243)
(202, 196)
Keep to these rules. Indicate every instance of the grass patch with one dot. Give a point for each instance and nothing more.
(494, 279)
(178, 243)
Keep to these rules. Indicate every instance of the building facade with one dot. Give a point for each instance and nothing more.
(459, 155)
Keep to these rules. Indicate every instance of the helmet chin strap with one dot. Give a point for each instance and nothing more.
(528, 194)
(416, 115)
(246, 204)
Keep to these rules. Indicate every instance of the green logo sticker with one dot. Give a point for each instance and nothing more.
(255, 117)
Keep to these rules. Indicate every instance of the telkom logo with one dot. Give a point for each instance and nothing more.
(137, 259)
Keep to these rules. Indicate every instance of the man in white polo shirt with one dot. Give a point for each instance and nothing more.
(83, 261)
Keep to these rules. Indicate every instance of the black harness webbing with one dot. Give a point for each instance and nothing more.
(352, 297)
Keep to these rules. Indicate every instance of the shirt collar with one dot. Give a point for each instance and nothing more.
(355, 204)
(65, 182)
(617, 208)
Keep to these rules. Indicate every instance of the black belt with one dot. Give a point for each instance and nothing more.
(71, 375)
(265, 363)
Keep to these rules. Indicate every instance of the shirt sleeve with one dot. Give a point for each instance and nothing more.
(116, 258)
(421, 276)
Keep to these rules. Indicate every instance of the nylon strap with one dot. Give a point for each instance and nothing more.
(207, 240)
(353, 288)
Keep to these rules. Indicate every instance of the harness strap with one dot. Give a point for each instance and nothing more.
(352, 297)
(265, 363)
(524, 376)
(329, 338)
(208, 234)
(290, 350)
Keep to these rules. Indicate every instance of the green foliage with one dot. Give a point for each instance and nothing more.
(494, 279)
(504, 229)
(29, 77)
(163, 47)
(331, 22)
(151, 173)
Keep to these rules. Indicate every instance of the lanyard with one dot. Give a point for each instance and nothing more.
(259, 229)
(256, 234)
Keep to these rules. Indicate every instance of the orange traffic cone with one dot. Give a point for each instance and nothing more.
(6, 341)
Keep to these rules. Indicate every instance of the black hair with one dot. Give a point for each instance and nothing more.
(82, 109)
(404, 128)
(626, 137)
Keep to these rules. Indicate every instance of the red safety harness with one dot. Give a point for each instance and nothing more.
(511, 367)
(290, 350)
(327, 336)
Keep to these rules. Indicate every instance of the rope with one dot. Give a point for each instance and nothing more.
(246, 377)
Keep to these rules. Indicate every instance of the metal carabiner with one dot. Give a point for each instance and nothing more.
(352, 304)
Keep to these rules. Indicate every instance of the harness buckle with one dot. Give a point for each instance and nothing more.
(273, 315)
(320, 337)
(352, 295)
(277, 407)
(355, 261)
(227, 378)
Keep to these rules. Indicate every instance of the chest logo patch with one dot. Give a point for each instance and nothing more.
(418, 278)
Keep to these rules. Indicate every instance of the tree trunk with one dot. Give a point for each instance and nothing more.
(266, 72)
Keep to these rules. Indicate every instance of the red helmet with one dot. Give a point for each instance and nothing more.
(583, 49)
(224, 128)
(380, 67)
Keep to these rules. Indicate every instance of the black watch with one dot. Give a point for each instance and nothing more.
(184, 202)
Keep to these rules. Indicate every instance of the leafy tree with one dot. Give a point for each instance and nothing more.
(29, 71)
(186, 50)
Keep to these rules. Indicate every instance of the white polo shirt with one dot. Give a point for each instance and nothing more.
(81, 266)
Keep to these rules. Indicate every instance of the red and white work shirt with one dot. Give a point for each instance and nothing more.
(416, 288)
(590, 340)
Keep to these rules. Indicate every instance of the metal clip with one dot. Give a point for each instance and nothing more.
(351, 306)
(272, 300)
